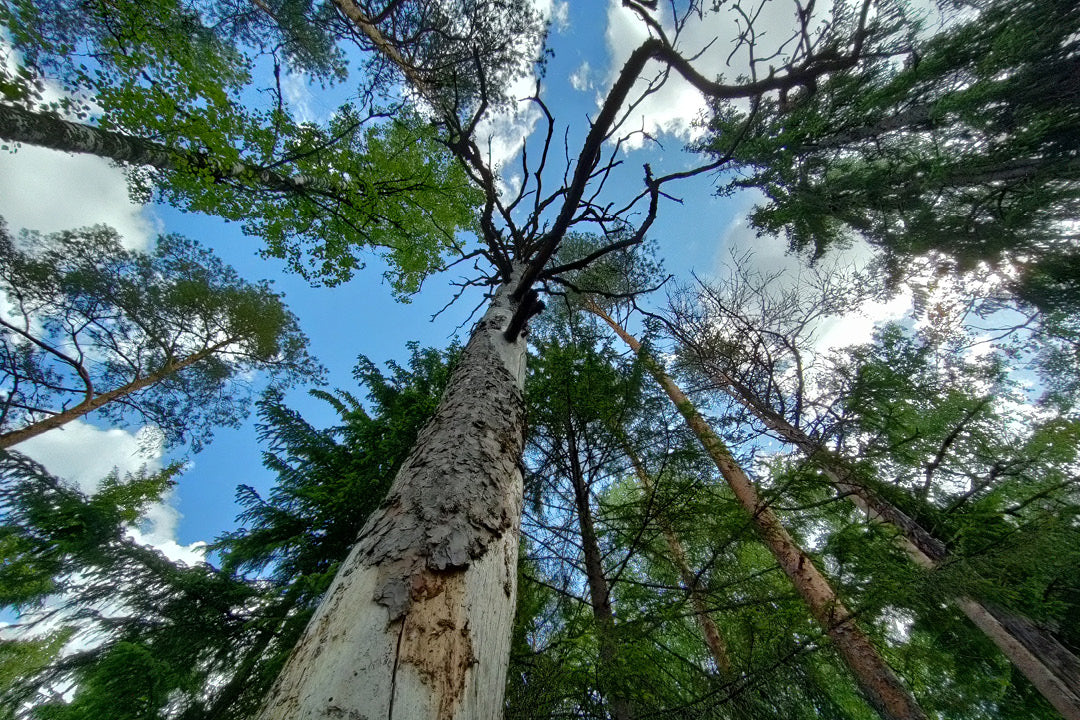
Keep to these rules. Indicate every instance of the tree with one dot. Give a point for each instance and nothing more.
(166, 336)
(438, 560)
(166, 91)
(967, 149)
(752, 343)
(202, 641)
(581, 399)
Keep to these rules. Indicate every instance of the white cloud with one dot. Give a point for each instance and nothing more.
(560, 15)
(84, 454)
(159, 531)
(858, 327)
(710, 41)
(49, 191)
(581, 79)
(675, 106)
(295, 91)
(502, 134)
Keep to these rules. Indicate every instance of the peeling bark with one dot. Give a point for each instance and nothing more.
(879, 684)
(417, 622)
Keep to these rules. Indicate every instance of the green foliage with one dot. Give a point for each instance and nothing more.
(662, 664)
(200, 642)
(330, 480)
(460, 50)
(20, 658)
(319, 195)
(966, 148)
(153, 614)
(92, 318)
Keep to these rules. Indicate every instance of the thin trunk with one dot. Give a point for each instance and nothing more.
(599, 591)
(880, 685)
(50, 131)
(691, 582)
(417, 622)
(89, 405)
(368, 26)
(1047, 664)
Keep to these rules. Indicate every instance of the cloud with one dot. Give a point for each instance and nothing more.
(158, 530)
(560, 15)
(580, 79)
(711, 41)
(84, 454)
(49, 191)
(294, 87)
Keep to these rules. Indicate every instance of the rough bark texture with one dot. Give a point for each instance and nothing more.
(1046, 663)
(691, 582)
(417, 622)
(879, 684)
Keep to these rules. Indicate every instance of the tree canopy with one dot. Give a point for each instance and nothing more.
(601, 503)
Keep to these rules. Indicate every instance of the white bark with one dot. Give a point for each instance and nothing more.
(417, 622)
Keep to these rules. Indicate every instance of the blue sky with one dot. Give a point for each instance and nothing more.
(48, 191)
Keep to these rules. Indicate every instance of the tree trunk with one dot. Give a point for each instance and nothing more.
(1034, 651)
(599, 591)
(691, 582)
(89, 405)
(879, 684)
(417, 623)
(50, 131)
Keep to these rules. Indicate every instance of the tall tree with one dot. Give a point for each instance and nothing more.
(166, 337)
(437, 561)
(577, 398)
(966, 149)
(885, 691)
(203, 642)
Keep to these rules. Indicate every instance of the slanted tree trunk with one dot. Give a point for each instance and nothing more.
(53, 132)
(417, 622)
(96, 401)
(599, 590)
(691, 582)
(1046, 663)
(879, 684)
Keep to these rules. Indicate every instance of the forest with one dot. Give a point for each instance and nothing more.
(638, 360)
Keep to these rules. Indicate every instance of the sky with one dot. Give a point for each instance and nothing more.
(49, 191)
